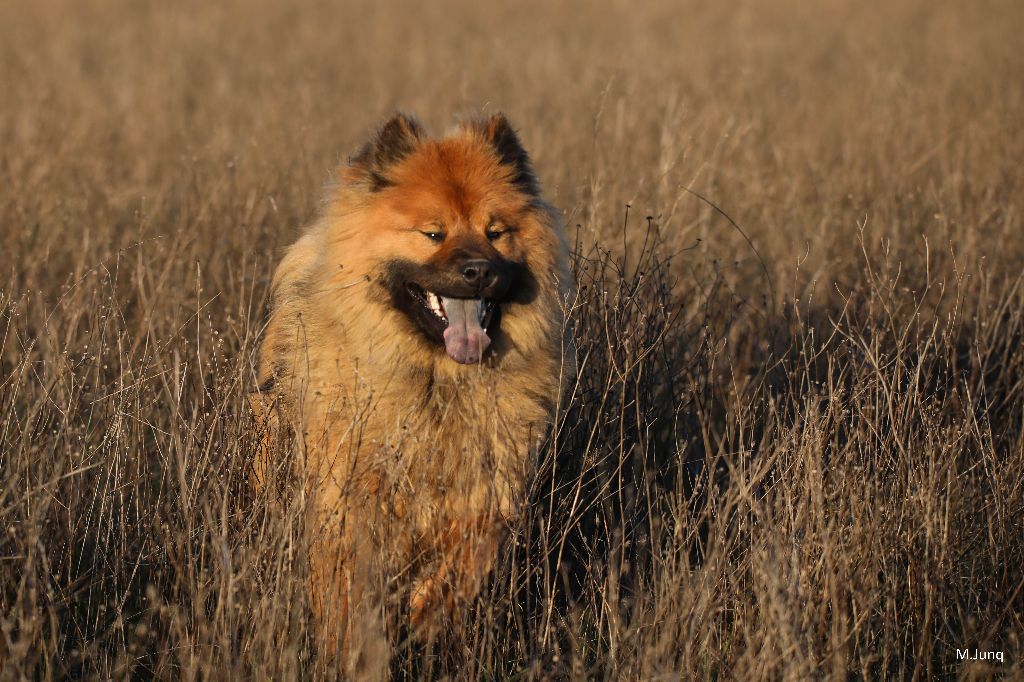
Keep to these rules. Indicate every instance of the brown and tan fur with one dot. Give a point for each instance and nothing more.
(415, 463)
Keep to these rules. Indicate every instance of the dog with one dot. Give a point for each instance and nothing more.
(417, 347)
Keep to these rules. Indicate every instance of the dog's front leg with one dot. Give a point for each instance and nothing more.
(346, 612)
(466, 553)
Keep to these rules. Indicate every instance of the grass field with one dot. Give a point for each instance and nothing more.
(793, 458)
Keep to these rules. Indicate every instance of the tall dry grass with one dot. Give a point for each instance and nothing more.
(801, 461)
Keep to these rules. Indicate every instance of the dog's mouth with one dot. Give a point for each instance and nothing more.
(462, 323)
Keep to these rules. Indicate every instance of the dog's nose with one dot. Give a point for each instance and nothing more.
(478, 273)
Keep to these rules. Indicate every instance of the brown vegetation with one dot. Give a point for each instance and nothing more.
(806, 460)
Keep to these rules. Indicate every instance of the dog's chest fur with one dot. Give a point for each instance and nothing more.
(432, 443)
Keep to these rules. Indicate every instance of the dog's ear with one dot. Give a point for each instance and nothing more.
(499, 134)
(395, 140)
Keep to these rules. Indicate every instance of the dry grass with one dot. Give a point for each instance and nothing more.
(813, 468)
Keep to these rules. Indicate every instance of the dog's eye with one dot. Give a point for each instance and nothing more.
(493, 234)
(434, 236)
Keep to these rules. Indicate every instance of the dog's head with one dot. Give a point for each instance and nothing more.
(456, 232)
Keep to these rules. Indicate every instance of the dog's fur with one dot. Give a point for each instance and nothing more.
(415, 462)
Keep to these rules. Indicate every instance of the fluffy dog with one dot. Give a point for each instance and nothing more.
(417, 348)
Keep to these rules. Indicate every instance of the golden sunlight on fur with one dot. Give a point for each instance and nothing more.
(416, 348)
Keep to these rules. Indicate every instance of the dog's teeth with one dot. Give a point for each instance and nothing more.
(434, 302)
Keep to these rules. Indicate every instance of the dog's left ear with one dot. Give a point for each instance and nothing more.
(394, 141)
(499, 133)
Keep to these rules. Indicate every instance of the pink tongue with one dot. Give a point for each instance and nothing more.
(464, 339)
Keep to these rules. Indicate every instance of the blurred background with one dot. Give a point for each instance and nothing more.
(798, 119)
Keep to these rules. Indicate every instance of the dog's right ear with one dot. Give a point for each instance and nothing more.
(395, 140)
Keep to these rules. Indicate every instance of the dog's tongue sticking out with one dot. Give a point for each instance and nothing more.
(464, 339)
